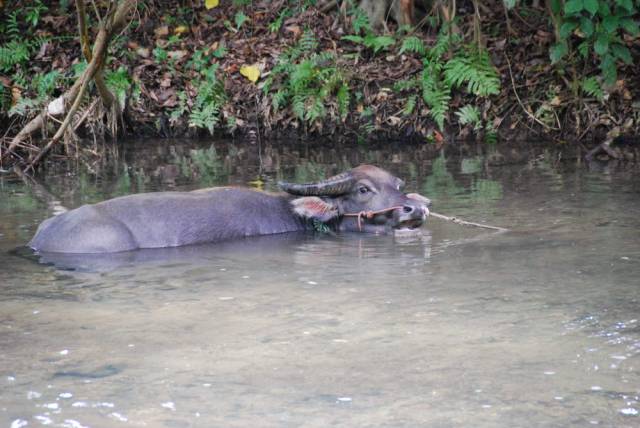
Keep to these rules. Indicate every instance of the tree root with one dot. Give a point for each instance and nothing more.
(114, 22)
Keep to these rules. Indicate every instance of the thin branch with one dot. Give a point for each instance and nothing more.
(466, 223)
(513, 84)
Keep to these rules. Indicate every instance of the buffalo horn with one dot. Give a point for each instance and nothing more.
(336, 185)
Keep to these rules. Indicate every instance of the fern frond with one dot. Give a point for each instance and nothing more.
(436, 92)
(412, 44)
(279, 99)
(298, 105)
(360, 21)
(343, 98)
(378, 43)
(592, 87)
(476, 70)
(470, 115)
(316, 110)
(410, 105)
(308, 42)
(12, 53)
(404, 85)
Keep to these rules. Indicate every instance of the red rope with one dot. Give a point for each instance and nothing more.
(369, 214)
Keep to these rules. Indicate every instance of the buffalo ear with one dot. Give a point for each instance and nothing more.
(315, 208)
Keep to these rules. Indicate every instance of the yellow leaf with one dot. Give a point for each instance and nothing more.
(181, 29)
(258, 184)
(210, 4)
(251, 72)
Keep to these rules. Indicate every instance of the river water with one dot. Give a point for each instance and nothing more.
(453, 326)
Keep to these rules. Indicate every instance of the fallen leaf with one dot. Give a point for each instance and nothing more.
(177, 55)
(251, 72)
(210, 4)
(295, 29)
(143, 52)
(16, 94)
(161, 31)
(181, 29)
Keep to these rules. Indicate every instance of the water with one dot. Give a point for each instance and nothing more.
(454, 327)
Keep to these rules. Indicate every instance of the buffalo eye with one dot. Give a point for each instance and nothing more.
(363, 190)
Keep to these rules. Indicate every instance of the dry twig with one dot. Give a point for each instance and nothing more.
(466, 223)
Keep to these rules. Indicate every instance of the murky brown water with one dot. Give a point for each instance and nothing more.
(455, 327)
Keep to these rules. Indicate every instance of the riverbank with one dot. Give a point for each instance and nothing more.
(282, 69)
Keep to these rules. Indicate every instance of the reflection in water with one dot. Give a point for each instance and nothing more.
(449, 327)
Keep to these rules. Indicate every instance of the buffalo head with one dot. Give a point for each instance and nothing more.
(365, 198)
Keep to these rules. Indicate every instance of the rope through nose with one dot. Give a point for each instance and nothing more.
(369, 214)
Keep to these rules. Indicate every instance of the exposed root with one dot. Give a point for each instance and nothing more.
(112, 24)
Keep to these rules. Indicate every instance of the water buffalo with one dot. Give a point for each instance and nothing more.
(365, 199)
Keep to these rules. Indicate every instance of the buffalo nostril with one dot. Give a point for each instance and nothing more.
(407, 208)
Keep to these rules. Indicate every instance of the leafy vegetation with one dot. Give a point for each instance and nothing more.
(468, 68)
(308, 81)
(191, 68)
(595, 28)
(209, 100)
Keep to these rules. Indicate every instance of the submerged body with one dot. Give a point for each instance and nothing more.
(365, 199)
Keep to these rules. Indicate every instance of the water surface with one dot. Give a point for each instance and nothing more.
(451, 327)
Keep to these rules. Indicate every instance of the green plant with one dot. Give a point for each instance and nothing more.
(5, 98)
(473, 67)
(13, 53)
(412, 44)
(466, 68)
(240, 18)
(592, 87)
(595, 28)
(198, 60)
(210, 98)
(33, 12)
(371, 41)
(38, 89)
(470, 115)
(275, 26)
(45, 84)
(309, 81)
(119, 83)
(160, 54)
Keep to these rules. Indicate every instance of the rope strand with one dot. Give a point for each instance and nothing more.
(369, 214)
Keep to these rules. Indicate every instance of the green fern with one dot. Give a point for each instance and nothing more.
(470, 115)
(12, 28)
(24, 107)
(410, 105)
(207, 105)
(343, 99)
(298, 105)
(279, 98)
(592, 87)
(308, 81)
(412, 44)
(474, 69)
(371, 41)
(446, 41)
(360, 21)
(13, 53)
(308, 42)
(436, 92)
(5, 99)
(404, 85)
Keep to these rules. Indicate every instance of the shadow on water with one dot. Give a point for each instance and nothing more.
(452, 326)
